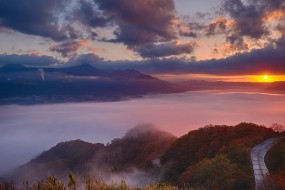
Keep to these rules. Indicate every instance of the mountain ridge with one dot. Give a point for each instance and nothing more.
(82, 157)
(22, 85)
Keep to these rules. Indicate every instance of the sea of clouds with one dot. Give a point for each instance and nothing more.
(26, 131)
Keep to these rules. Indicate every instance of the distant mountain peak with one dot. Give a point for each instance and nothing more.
(64, 150)
(84, 65)
(83, 70)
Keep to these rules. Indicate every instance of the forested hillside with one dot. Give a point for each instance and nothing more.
(213, 157)
(141, 148)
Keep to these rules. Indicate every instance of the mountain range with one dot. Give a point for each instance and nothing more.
(140, 149)
(27, 85)
(81, 83)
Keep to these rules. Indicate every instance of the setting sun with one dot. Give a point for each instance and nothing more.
(265, 78)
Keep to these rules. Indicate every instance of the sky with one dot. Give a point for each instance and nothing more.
(26, 131)
(240, 38)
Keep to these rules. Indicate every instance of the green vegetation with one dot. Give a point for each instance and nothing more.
(275, 161)
(64, 157)
(213, 157)
(137, 149)
(216, 173)
(71, 153)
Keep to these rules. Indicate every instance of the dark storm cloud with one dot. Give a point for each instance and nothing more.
(166, 49)
(141, 21)
(35, 17)
(281, 42)
(135, 23)
(269, 60)
(281, 28)
(28, 60)
(59, 20)
(249, 18)
(69, 48)
(89, 15)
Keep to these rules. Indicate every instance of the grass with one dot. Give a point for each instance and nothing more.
(89, 183)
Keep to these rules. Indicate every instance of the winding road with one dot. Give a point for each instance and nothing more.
(257, 159)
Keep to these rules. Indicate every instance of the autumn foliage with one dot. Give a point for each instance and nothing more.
(275, 160)
(215, 157)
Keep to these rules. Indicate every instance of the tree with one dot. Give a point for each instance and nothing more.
(278, 127)
(217, 173)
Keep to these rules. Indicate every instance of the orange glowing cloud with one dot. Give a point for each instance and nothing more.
(95, 49)
(223, 20)
(274, 15)
(84, 43)
(219, 25)
(68, 48)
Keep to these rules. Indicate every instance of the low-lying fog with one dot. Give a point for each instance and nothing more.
(25, 131)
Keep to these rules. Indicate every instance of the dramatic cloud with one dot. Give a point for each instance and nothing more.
(269, 60)
(184, 28)
(147, 27)
(28, 60)
(166, 49)
(281, 42)
(218, 26)
(255, 62)
(137, 24)
(69, 48)
(89, 15)
(141, 21)
(281, 29)
(248, 18)
(251, 18)
(37, 17)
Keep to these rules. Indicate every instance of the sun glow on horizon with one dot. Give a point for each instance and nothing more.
(265, 78)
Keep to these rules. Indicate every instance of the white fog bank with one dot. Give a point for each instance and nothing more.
(25, 131)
